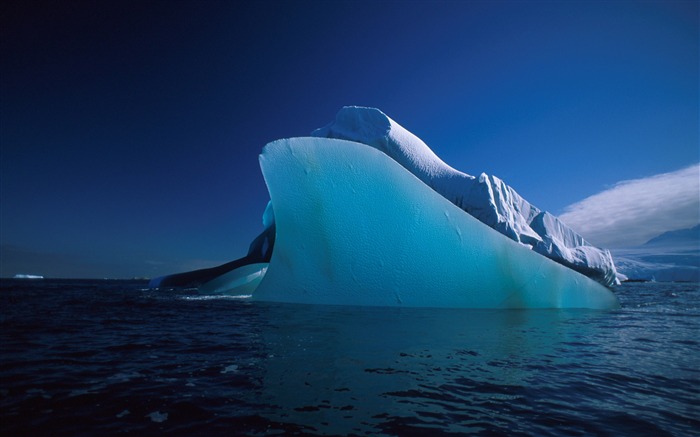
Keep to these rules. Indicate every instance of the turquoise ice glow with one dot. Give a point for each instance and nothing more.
(356, 228)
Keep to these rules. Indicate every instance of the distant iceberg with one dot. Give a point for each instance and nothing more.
(670, 257)
(25, 276)
(364, 213)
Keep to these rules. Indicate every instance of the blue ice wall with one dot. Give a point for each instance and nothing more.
(354, 227)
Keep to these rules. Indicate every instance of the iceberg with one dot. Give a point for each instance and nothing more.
(364, 213)
(27, 276)
(673, 256)
(354, 227)
(485, 197)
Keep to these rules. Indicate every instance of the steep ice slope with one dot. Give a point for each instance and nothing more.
(356, 228)
(485, 197)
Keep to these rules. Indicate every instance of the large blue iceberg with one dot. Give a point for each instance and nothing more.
(364, 213)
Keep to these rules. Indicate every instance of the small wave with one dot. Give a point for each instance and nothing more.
(38, 392)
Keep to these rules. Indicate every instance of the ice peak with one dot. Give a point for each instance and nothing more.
(487, 197)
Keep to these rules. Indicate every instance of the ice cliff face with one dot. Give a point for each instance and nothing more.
(485, 197)
(354, 227)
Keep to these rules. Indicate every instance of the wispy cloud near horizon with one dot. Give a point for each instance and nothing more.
(634, 211)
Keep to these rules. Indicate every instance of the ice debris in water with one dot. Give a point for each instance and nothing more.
(158, 417)
(231, 368)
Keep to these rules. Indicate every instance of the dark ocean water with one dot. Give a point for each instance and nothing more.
(111, 357)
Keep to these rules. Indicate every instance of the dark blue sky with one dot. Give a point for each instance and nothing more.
(130, 130)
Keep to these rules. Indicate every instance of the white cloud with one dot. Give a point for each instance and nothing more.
(632, 212)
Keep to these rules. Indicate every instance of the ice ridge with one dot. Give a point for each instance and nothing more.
(485, 197)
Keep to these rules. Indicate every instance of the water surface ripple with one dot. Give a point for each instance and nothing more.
(111, 357)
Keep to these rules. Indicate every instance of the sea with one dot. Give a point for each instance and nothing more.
(101, 357)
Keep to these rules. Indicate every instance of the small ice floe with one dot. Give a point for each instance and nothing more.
(123, 413)
(158, 417)
(231, 368)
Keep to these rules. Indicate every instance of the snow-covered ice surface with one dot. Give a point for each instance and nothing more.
(356, 228)
(485, 197)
